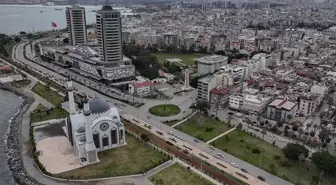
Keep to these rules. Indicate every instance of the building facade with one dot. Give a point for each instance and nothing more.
(281, 110)
(308, 103)
(250, 104)
(76, 25)
(210, 64)
(108, 28)
(96, 128)
(140, 88)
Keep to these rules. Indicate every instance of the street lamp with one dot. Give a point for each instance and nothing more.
(320, 177)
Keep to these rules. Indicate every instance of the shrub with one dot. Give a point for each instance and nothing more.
(256, 150)
(242, 140)
(276, 157)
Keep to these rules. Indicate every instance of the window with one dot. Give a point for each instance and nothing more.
(121, 135)
(96, 140)
(105, 141)
(114, 137)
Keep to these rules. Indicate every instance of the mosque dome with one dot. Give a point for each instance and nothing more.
(82, 139)
(98, 106)
(81, 129)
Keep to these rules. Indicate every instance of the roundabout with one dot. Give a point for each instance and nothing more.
(165, 110)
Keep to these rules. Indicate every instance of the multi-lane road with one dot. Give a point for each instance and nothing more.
(143, 114)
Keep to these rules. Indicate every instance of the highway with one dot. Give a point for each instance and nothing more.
(143, 114)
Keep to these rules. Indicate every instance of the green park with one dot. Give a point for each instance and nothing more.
(203, 127)
(134, 158)
(270, 158)
(176, 174)
(165, 110)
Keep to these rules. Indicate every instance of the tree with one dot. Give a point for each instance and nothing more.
(280, 124)
(323, 135)
(295, 128)
(144, 137)
(324, 161)
(239, 126)
(17, 39)
(289, 117)
(292, 151)
(263, 132)
(66, 40)
(202, 106)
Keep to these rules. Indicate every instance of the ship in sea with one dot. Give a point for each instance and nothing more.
(58, 9)
(41, 11)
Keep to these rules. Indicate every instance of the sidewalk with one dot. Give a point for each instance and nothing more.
(184, 119)
(221, 135)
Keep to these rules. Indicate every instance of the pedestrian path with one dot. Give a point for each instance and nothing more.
(221, 135)
(184, 119)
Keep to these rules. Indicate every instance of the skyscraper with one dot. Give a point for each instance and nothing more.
(76, 24)
(108, 28)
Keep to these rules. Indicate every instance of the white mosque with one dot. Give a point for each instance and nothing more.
(96, 128)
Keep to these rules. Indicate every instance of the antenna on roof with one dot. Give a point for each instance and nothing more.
(106, 2)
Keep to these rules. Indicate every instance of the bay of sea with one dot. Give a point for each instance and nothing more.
(33, 18)
(9, 106)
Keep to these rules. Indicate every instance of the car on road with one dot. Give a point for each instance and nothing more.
(148, 117)
(244, 170)
(171, 133)
(256, 129)
(212, 148)
(234, 165)
(261, 178)
(197, 141)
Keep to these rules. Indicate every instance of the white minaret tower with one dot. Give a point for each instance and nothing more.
(90, 148)
(72, 106)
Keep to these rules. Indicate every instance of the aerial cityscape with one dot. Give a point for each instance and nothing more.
(157, 92)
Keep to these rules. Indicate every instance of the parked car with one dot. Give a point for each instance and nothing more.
(212, 148)
(261, 178)
(197, 141)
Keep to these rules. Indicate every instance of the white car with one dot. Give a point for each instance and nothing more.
(171, 132)
(234, 165)
(212, 148)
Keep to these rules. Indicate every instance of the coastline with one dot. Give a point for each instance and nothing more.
(14, 162)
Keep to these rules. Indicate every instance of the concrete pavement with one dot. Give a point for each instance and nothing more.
(221, 135)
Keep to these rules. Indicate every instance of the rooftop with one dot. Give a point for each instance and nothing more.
(221, 91)
(142, 84)
(212, 59)
(283, 104)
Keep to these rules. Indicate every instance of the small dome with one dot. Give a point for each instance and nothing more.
(82, 139)
(98, 106)
(81, 129)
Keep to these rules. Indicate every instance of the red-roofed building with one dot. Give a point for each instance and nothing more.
(219, 96)
(140, 88)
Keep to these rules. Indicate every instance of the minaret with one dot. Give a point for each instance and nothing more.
(72, 107)
(90, 148)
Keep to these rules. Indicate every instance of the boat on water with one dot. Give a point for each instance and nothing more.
(94, 10)
(57, 9)
(41, 11)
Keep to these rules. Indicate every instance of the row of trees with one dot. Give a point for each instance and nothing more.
(322, 159)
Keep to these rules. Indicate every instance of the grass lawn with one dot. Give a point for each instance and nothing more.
(133, 158)
(240, 144)
(40, 107)
(177, 174)
(48, 94)
(165, 110)
(43, 115)
(203, 127)
(187, 59)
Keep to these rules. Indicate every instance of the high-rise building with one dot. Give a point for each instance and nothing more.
(108, 28)
(76, 24)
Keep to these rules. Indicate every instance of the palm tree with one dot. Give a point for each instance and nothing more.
(263, 132)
